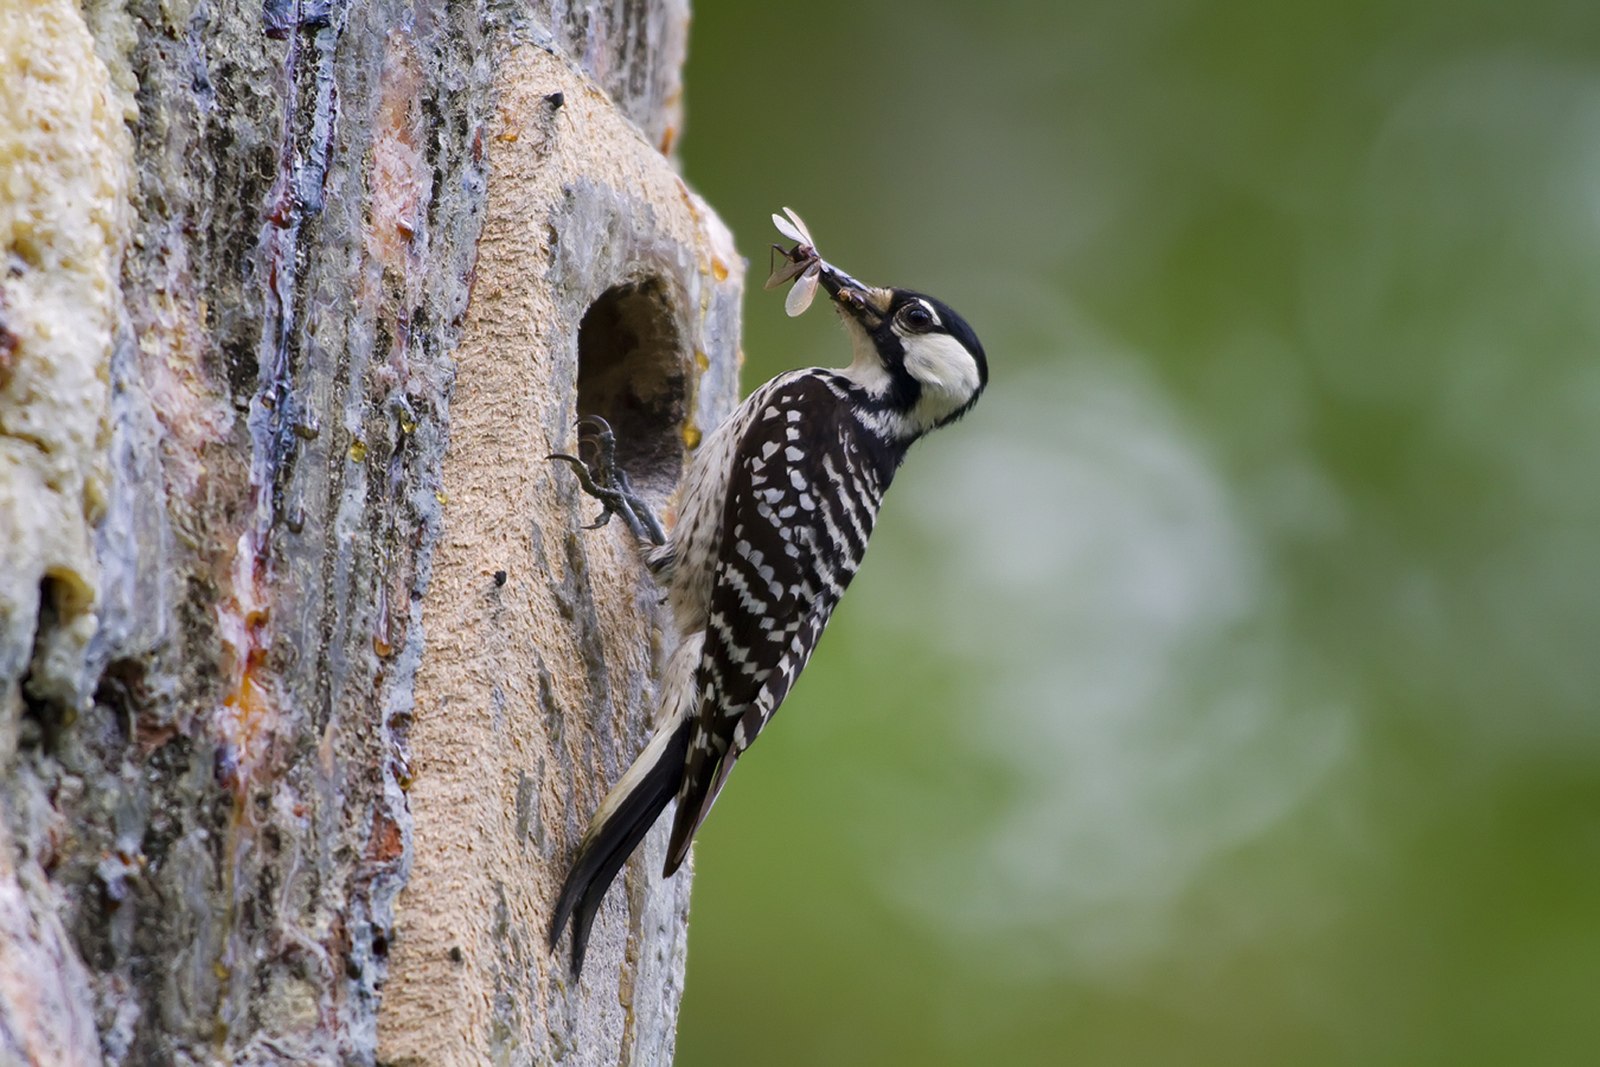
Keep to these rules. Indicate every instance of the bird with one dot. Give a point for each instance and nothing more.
(775, 510)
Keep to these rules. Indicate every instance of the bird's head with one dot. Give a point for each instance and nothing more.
(911, 349)
(915, 357)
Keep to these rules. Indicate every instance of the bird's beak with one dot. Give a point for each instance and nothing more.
(864, 303)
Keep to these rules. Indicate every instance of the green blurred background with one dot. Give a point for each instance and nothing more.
(1226, 689)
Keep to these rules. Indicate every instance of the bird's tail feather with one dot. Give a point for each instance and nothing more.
(620, 823)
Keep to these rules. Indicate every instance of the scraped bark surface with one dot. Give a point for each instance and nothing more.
(307, 678)
(554, 626)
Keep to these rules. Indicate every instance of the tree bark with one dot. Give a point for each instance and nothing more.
(308, 678)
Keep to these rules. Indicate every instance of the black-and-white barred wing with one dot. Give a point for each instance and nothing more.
(801, 502)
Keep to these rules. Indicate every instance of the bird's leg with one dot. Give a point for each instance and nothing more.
(608, 483)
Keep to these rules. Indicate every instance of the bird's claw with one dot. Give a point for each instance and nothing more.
(608, 483)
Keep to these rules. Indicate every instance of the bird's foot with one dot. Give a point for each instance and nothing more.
(608, 483)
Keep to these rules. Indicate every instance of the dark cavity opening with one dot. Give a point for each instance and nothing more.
(631, 372)
(45, 714)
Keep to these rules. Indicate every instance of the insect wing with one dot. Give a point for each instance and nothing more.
(787, 230)
(805, 288)
(788, 270)
(792, 228)
(799, 224)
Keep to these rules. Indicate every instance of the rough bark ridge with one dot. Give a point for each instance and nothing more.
(307, 681)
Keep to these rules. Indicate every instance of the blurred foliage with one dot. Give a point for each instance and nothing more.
(1226, 689)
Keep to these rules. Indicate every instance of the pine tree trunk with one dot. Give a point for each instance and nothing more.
(308, 678)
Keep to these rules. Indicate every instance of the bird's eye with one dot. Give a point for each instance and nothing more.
(916, 317)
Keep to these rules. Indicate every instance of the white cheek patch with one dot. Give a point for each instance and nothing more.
(943, 365)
